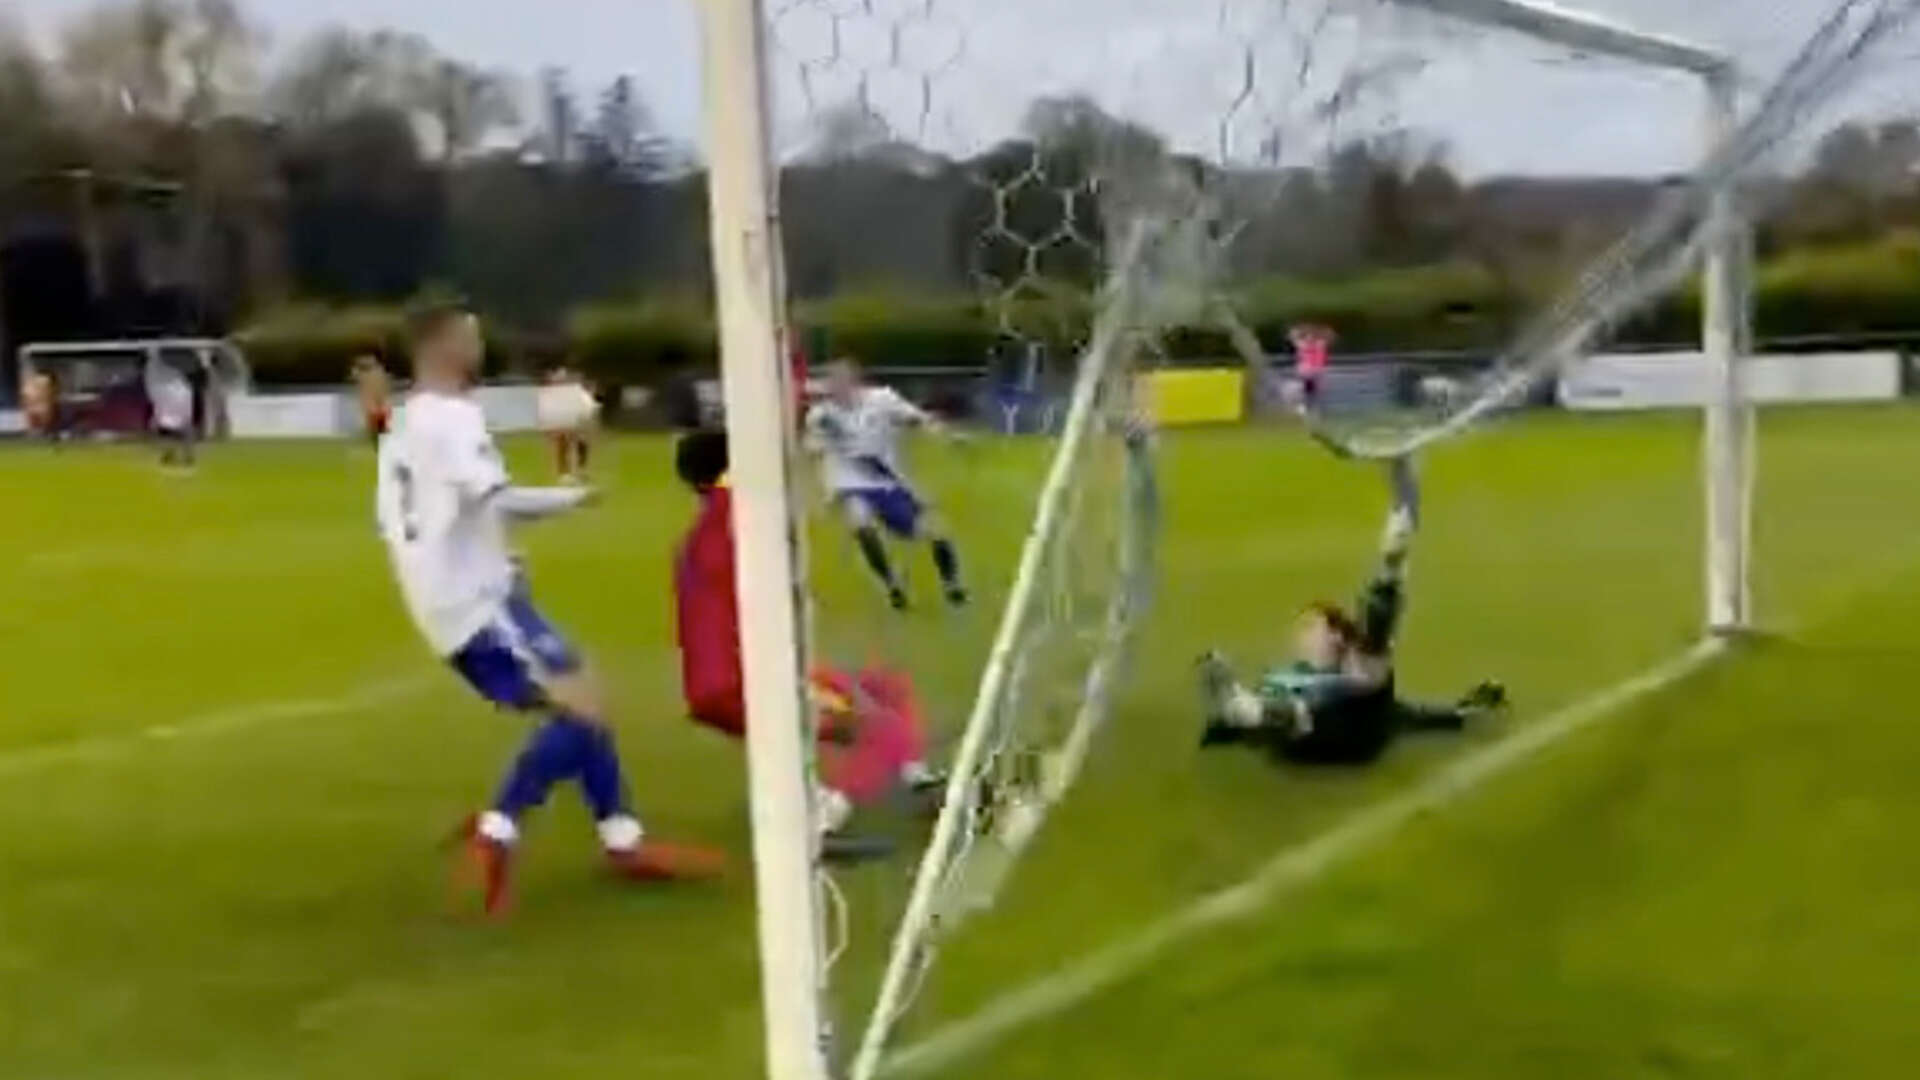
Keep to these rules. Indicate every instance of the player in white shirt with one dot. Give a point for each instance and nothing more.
(170, 393)
(444, 502)
(855, 430)
(568, 412)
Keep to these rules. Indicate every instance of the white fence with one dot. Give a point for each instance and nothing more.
(1681, 380)
(332, 414)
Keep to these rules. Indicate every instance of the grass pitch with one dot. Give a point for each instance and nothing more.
(225, 765)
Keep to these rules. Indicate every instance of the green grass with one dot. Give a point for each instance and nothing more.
(1719, 883)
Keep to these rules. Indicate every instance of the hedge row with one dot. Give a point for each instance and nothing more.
(1873, 288)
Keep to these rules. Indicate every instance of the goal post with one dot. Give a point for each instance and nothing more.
(743, 218)
(1727, 430)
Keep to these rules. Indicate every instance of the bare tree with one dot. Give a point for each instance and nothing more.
(168, 62)
(466, 103)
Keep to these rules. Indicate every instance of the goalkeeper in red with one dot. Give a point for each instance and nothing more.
(1336, 703)
(871, 726)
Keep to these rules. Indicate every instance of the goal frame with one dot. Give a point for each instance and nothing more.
(749, 287)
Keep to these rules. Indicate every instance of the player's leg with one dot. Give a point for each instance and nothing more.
(1238, 714)
(862, 508)
(1488, 697)
(946, 558)
(582, 451)
(507, 666)
(1384, 598)
(572, 696)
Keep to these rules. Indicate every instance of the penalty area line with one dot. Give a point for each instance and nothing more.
(1291, 869)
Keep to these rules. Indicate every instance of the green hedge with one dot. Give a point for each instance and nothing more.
(314, 344)
(1856, 289)
(639, 343)
(895, 330)
(1842, 290)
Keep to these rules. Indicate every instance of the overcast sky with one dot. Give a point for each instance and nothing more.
(1500, 105)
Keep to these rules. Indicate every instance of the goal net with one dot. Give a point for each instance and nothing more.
(1454, 204)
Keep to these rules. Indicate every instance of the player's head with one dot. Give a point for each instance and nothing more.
(701, 458)
(1324, 635)
(843, 377)
(446, 342)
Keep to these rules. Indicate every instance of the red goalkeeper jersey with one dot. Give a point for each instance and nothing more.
(709, 617)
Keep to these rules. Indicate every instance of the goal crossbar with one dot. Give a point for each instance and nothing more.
(1585, 32)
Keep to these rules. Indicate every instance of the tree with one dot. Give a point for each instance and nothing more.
(622, 140)
(846, 132)
(165, 62)
(466, 103)
(559, 118)
(326, 78)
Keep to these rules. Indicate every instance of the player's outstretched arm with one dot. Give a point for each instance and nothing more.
(534, 503)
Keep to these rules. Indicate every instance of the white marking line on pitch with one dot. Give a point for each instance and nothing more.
(213, 723)
(1292, 868)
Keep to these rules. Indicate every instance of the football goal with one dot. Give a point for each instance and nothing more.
(1126, 185)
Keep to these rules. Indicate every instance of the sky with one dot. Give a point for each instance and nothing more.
(960, 78)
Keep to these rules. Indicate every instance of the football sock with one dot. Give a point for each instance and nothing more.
(619, 833)
(600, 779)
(553, 753)
(498, 827)
(947, 561)
(874, 551)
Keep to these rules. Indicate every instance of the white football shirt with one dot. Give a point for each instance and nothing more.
(439, 470)
(851, 439)
(564, 406)
(171, 395)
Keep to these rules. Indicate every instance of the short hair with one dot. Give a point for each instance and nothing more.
(428, 320)
(701, 458)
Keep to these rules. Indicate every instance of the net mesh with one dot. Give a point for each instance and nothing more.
(1118, 186)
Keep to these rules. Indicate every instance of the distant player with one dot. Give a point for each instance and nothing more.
(170, 393)
(1312, 350)
(39, 405)
(870, 723)
(375, 390)
(855, 429)
(1336, 704)
(568, 412)
(444, 502)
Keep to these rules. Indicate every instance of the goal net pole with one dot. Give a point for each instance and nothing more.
(1727, 437)
(1727, 449)
(750, 297)
(917, 922)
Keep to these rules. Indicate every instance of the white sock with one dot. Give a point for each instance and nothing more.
(916, 772)
(499, 828)
(834, 809)
(620, 833)
(1243, 708)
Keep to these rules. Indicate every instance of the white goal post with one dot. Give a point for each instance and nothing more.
(1727, 438)
(743, 186)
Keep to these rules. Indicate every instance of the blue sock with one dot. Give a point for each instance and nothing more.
(556, 751)
(600, 780)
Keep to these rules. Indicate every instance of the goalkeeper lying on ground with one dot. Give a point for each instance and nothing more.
(1336, 704)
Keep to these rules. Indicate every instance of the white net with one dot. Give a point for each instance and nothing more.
(1077, 192)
